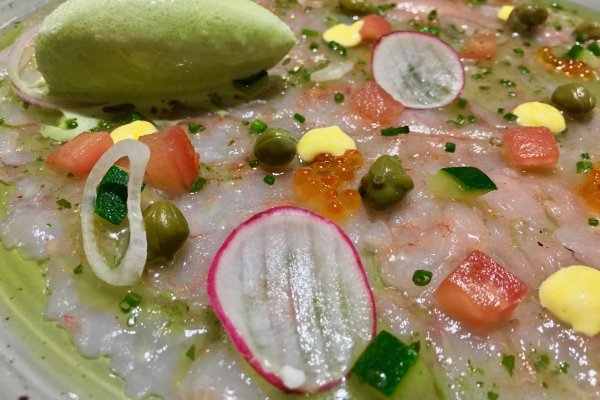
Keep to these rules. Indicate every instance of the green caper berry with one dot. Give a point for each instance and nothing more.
(166, 230)
(588, 29)
(359, 7)
(574, 98)
(526, 17)
(275, 147)
(386, 183)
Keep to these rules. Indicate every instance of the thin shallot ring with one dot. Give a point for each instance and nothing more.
(131, 267)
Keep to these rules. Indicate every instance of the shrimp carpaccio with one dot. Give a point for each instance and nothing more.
(538, 221)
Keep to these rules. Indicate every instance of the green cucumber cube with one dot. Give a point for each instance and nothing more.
(385, 363)
(111, 195)
(460, 183)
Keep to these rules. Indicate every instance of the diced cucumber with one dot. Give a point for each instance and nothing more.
(389, 369)
(111, 200)
(460, 183)
(385, 362)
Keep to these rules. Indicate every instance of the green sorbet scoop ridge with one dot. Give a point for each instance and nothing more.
(132, 49)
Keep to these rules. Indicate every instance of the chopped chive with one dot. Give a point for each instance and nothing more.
(422, 277)
(581, 38)
(459, 121)
(432, 15)
(299, 117)
(593, 221)
(519, 52)
(269, 180)
(485, 87)
(2, 120)
(313, 46)
(393, 131)
(575, 52)
(309, 32)
(594, 48)
(501, 110)
(492, 395)
(471, 118)
(258, 126)
(78, 269)
(196, 128)
(507, 83)
(541, 363)
(338, 48)
(476, 76)
(523, 69)
(131, 301)
(191, 353)
(198, 185)
(585, 156)
(231, 142)
(384, 8)
(253, 163)
(508, 362)
(450, 147)
(339, 97)
(63, 203)
(462, 103)
(71, 123)
(133, 116)
(563, 368)
(584, 166)
(510, 117)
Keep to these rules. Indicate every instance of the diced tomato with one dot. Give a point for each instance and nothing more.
(480, 292)
(79, 155)
(531, 147)
(373, 103)
(173, 164)
(480, 46)
(374, 28)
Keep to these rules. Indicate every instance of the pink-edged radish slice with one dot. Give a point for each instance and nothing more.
(291, 292)
(418, 70)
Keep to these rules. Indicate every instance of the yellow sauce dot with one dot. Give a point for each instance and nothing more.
(540, 114)
(346, 35)
(132, 130)
(571, 295)
(504, 12)
(331, 140)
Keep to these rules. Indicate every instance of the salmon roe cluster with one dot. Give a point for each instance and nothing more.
(321, 184)
(590, 188)
(569, 67)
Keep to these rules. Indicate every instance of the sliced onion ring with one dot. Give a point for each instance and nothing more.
(131, 267)
(418, 70)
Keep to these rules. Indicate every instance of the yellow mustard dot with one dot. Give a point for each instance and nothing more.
(346, 35)
(133, 130)
(571, 294)
(331, 140)
(540, 114)
(504, 12)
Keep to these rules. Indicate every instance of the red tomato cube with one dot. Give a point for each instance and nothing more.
(374, 28)
(481, 47)
(480, 292)
(79, 155)
(173, 164)
(531, 147)
(373, 103)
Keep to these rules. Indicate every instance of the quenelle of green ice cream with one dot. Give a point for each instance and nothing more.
(132, 49)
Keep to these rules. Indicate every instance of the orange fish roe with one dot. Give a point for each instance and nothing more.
(569, 67)
(320, 185)
(590, 188)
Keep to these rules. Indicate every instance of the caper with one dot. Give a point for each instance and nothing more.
(358, 7)
(386, 183)
(166, 230)
(275, 147)
(589, 30)
(526, 17)
(574, 98)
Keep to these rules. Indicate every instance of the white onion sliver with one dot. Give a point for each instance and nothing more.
(332, 72)
(132, 265)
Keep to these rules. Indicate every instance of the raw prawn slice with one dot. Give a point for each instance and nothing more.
(291, 292)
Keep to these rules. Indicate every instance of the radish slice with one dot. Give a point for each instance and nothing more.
(418, 70)
(291, 292)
